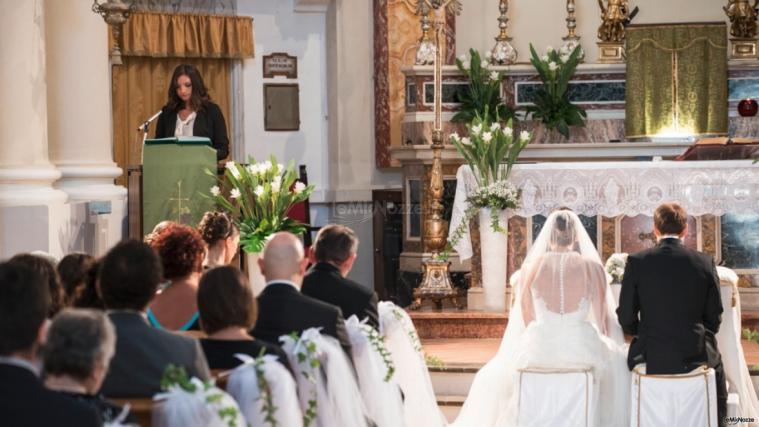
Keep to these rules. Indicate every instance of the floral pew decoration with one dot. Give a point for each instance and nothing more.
(327, 388)
(190, 402)
(265, 391)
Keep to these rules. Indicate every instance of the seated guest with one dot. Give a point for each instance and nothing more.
(79, 347)
(87, 296)
(334, 252)
(222, 239)
(45, 268)
(181, 250)
(227, 312)
(72, 271)
(128, 280)
(157, 229)
(24, 305)
(282, 308)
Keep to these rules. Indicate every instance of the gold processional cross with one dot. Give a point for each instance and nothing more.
(179, 199)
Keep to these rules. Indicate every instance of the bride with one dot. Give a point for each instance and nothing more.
(562, 317)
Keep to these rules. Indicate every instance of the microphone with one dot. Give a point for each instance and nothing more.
(144, 127)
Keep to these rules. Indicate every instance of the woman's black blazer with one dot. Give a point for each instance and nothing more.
(209, 122)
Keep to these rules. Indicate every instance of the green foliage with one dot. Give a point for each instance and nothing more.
(434, 361)
(265, 393)
(378, 342)
(258, 196)
(551, 104)
(483, 96)
(176, 376)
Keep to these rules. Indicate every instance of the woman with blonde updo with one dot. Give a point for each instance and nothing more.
(222, 239)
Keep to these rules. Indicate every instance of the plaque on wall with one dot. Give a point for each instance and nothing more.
(280, 64)
(281, 107)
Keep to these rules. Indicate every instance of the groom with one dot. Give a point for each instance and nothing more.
(676, 292)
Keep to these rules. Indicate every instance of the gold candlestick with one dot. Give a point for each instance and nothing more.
(436, 283)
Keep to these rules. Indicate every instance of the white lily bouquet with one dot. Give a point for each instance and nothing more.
(259, 196)
(615, 266)
(491, 150)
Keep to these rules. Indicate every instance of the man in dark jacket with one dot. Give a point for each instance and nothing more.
(334, 253)
(670, 303)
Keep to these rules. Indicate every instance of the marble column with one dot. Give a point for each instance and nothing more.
(28, 200)
(80, 124)
(79, 101)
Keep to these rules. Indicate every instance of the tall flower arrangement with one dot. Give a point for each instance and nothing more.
(483, 94)
(551, 105)
(258, 196)
(491, 149)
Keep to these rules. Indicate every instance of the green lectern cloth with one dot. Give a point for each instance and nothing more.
(174, 178)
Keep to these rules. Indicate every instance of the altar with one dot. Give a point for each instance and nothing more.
(616, 200)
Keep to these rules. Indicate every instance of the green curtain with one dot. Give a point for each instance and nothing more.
(676, 80)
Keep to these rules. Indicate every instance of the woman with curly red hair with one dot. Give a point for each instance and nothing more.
(181, 250)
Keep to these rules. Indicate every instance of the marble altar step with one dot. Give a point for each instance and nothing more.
(461, 324)
(457, 360)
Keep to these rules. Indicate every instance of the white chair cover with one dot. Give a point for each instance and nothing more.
(332, 384)
(180, 408)
(740, 388)
(244, 388)
(562, 397)
(420, 404)
(381, 395)
(674, 400)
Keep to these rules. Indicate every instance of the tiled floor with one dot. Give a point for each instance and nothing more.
(478, 351)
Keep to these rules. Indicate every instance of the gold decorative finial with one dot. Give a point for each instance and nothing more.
(614, 17)
(503, 53)
(571, 40)
(742, 17)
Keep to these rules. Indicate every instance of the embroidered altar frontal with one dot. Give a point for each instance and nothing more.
(616, 200)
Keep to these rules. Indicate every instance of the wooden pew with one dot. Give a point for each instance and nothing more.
(141, 407)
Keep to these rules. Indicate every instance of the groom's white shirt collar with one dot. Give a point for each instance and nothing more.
(20, 363)
(669, 236)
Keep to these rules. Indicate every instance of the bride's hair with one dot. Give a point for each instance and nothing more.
(563, 233)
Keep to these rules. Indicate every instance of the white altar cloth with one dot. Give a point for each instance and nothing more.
(622, 188)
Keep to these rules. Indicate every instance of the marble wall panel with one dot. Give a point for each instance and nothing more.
(608, 237)
(636, 233)
(709, 235)
(517, 246)
(739, 241)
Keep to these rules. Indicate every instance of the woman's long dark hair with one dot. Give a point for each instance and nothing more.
(199, 96)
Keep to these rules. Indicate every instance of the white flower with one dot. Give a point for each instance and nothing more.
(235, 193)
(252, 169)
(466, 141)
(487, 136)
(275, 186)
(508, 131)
(488, 54)
(215, 190)
(544, 58)
(485, 64)
(265, 166)
(465, 65)
(280, 167)
(564, 58)
(259, 191)
(299, 187)
(476, 129)
(552, 66)
(232, 167)
(463, 58)
(494, 75)
(493, 127)
(454, 136)
(524, 135)
(549, 49)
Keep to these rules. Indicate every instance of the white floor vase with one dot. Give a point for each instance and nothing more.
(256, 279)
(493, 251)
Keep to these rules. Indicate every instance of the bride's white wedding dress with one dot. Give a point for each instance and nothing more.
(562, 318)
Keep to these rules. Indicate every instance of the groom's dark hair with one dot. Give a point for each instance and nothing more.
(670, 218)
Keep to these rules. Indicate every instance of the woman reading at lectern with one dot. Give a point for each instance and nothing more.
(190, 111)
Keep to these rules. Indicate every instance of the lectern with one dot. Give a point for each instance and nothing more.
(175, 185)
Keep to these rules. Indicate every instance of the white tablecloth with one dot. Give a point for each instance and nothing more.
(622, 188)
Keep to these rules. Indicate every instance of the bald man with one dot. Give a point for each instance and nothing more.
(282, 309)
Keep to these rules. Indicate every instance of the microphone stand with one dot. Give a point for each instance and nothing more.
(144, 129)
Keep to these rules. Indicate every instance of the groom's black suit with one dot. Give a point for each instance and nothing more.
(676, 292)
